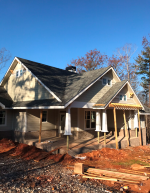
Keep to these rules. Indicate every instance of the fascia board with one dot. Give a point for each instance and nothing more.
(135, 94)
(8, 70)
(40, 81)
(74, 98)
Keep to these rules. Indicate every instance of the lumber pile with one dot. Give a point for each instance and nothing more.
(133, 177)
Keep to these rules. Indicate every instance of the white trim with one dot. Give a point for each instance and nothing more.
(88, 87)
(42, 107)
(33, 76)
(3, 106)
(135, 94)
(7, 71)
(144, 113)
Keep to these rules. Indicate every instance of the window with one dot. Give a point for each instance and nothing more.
(90, 119)
(123, 97)
(19, 73)
(109, 82)
(2, 117)
(44, 116)
(106, 81)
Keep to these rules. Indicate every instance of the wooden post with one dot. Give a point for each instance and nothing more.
(104, 138)
(139, 127)
(40, 126)
(136, 132)
(115, 125)
(67, 143)
(98, 136)
(125, 123)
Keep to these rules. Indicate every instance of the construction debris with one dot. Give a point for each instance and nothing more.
(108, 175)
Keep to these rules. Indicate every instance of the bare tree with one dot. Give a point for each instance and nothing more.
(4, 57)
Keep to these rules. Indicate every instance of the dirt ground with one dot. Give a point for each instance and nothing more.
(105, 158)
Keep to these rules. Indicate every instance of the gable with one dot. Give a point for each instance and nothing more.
(98, 89)
(125, 92)
(25, 87)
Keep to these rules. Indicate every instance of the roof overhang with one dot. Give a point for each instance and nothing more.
(41, 107)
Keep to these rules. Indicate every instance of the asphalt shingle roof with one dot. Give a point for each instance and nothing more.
(64, 84)
(105, 99)
(5, 99)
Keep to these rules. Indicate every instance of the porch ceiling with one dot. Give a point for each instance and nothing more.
(125, 106)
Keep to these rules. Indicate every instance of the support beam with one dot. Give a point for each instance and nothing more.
(104, 138)
(40, 126)
(126, 131)
(115, 125)
(139, 128)
(98, 135)
(67, 143)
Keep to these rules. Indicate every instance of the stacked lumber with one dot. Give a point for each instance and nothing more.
(108, 175)
(126, 176)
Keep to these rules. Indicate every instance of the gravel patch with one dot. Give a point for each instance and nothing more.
(18, 176)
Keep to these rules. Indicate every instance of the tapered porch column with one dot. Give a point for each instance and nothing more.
(68, 126)
(136, 121)
(104, 124)
(98, 123)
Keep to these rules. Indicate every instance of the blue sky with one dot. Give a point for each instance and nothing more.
(55, 31)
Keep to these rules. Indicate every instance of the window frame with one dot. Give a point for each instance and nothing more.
(89, 119)
(19, 74)
(122, 97)
(2, 125)
(107, 81)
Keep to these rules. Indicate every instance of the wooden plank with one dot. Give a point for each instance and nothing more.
(139, 128)
(115, 125)
(40, 126)
(104, 138)
(113, 173)
(110, 179)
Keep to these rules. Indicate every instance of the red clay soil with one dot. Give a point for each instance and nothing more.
(105, 158)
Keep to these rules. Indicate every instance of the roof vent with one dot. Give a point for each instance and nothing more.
(71, 68)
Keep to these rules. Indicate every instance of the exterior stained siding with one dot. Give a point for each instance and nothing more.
(123, 92)
(95, 92)
(33, 120)
(74, 119)
(25, 87)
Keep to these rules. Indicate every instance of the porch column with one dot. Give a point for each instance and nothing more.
(98, 123)
(126, 130)
(139, 128)
(40, 126)
(68, 126)
(104, 124)
(115, 125)
(136, 121)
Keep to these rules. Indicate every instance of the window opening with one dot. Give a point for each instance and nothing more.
(44, 116)
(2, 117)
